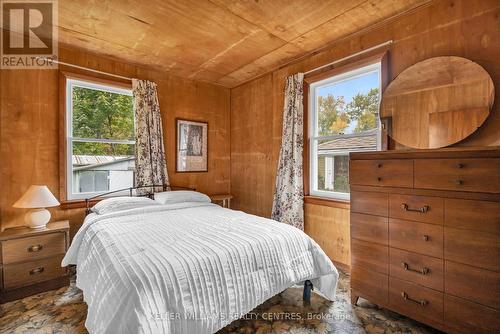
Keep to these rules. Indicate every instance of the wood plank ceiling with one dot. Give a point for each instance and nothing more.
(225, 42)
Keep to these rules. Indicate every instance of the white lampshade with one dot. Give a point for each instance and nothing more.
(36, 197)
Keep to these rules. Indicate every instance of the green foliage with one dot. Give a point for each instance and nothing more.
(102, 115)
(364, 108)
(335, 116)
(321, 182)
(87, 148)
(330, 109)
(341, 183)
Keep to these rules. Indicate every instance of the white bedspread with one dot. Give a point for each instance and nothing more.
(188, 267)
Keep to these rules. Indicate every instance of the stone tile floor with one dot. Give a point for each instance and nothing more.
(63, 311)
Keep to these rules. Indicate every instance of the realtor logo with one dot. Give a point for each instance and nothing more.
(29, 34)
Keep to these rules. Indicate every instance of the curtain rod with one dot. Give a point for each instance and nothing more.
(85, 68)
(389, 42)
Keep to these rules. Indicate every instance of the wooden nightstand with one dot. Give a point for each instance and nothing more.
(30, 260)
(223, 199)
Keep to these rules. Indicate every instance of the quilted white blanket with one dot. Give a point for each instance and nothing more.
(188, 267)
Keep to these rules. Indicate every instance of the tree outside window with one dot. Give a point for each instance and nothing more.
(344, 110)
(100, 138)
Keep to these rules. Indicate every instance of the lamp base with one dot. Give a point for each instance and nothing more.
(37, 218)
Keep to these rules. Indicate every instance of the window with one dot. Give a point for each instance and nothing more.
(100, 138)
(343, 118)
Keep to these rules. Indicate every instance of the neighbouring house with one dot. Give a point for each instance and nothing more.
(93, 173)
(333, 158)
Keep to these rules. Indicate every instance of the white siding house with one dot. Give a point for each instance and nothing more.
(93, 173)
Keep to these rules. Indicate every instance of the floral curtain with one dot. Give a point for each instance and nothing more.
(150, 162)
(288, 205)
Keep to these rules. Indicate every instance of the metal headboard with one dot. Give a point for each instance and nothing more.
(130, 193)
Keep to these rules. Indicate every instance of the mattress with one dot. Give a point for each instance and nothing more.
(188, 267)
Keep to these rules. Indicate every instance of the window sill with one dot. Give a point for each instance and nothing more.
(331, 202)
(77, 204)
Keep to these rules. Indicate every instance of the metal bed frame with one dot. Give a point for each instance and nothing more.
(308, 286)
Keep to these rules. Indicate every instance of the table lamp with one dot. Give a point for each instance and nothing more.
(37, 198)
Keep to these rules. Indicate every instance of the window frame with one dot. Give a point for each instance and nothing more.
(319, 78)
(67, 82)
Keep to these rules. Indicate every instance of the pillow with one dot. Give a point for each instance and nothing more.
(114, 204)
(180, 196)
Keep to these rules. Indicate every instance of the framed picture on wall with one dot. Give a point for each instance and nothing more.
(192, 146)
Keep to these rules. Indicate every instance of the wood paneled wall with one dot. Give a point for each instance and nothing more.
(329, 226)
(29, 130)
(447, 27)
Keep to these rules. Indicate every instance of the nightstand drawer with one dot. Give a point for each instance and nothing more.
(28, 273)
(33, 248)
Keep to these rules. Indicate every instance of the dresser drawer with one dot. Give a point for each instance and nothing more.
(370, 285)
(372, 203)
(416, 268)
(420, 238)
(478, 175)
(28, 273)
(370, 256)
(475, 284)
(370, 228)
(32, 248)
(415, 301)
(467, 317)
(479, 249)
(474, 215)
(418, 208)
(389, 173)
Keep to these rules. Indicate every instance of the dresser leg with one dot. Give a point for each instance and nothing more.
(354, 298)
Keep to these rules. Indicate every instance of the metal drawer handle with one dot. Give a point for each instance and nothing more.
(426, 237)
(422, 302)
(35, 248)
(423, 271)
(38, 270)
(460, 165)
(423, 209)
(459, 182)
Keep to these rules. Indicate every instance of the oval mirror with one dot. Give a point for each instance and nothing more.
(437, 102)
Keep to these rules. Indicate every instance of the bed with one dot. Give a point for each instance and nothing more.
(187, 266)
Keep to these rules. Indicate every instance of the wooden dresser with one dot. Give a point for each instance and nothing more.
(30, 260)
(425, 235)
